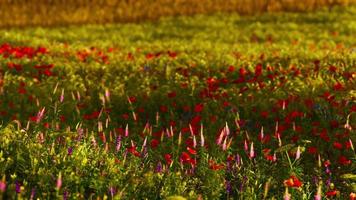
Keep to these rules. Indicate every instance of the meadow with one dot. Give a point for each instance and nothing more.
(216, 106)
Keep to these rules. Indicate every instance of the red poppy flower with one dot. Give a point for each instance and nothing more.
(172, 94)
(196, 120)
(231, 68)
(163, 108)
(338, 86)
(312, 150)
(21, 90)
(352, 196)
(154, 143)
(258, 70)
(132, 99)
(264, 114)
(185, 157)
(150, 56)
(191, 151)
(168, 158)
(344, 161)
(242, 72)
(198, 108)
(331, 193)
(172, 54)
(293, 181)
(337, 145)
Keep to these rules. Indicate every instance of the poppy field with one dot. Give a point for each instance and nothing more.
(199, 107)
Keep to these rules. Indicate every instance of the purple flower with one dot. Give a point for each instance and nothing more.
(228, 187)
(159, 168)
(17, 187)
(112, 191)
(33, 193)
(65, 195)
(70, 151)
(118, 143)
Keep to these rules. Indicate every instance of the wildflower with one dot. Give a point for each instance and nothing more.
(2, 185)
(168, 158)
(331, 193)
(191, 151)
(318, 193)
(70, 151)
(286, 195)
(337, 145)
(127, 130)
(344, 161)
(252, 151)
(158, 168)
(297, 155)
(17, 187)
(33, 193)
(293, 181)
(198, 108)
(59, 182)
(154, 143)
(352, 196)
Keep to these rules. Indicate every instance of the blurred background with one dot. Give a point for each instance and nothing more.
(17, 13)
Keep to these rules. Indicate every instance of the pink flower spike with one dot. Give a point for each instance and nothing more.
(318, 194)
(61, 98)
(245, 146)
(59, 181)
(297, 156)
(2, 186)
(252, 151)
(127, 130)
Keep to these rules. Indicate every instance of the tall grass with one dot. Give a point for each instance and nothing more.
(60, 12)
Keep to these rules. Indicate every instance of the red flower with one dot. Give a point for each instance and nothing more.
(312, 150)
(196, 120)
(47, 72)
(132, 99)
(344, 161)
(191, 151)
(133, 151)
(338, 86)
(264, 114)
(154, 143)
(185, 157)
(293, 181)
(46, 125)
(231, 68)
(324, 135)
(331, 193)
(163, 108)
(258, 70)
(352, 196)
(172, 94)
(168, 158)
(21, 90)
(172, 54)
(149, 56)
(198, 108)
(337, 145)
(242, 72)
